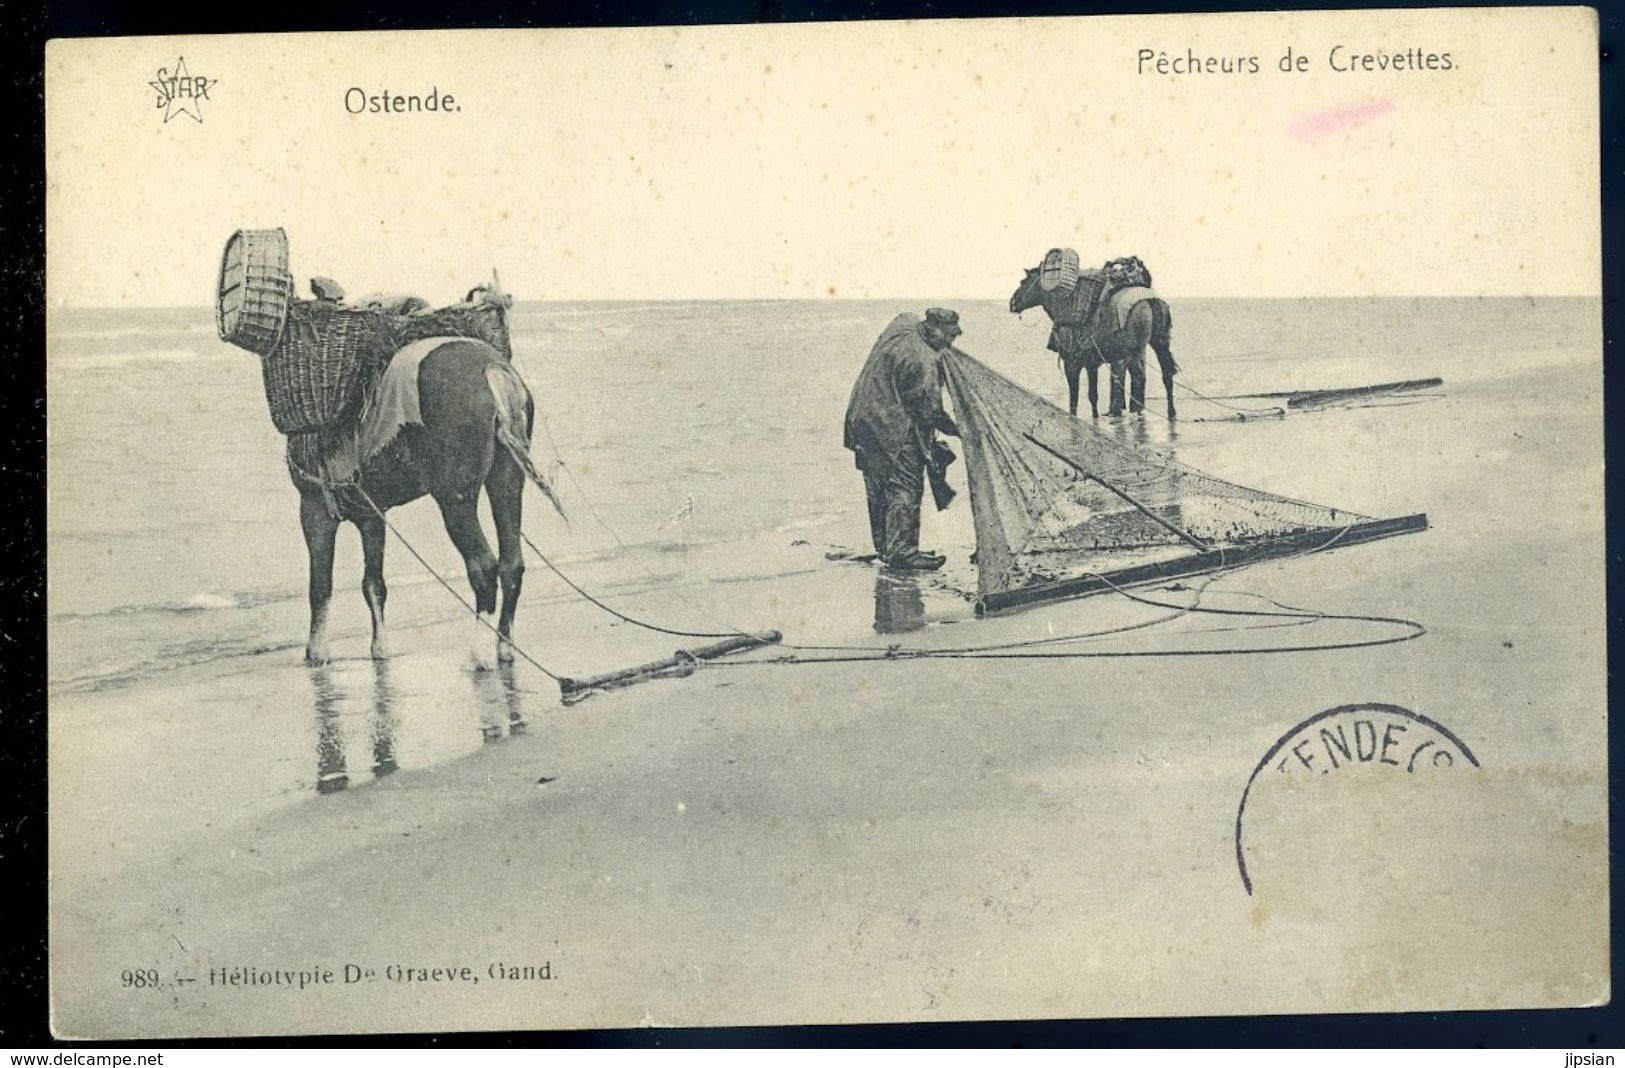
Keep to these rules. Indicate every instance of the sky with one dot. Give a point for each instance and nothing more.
(855, 160)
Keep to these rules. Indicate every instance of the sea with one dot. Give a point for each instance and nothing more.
(693, 442)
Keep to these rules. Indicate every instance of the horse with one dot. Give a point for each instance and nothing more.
(1100, 339)
(477, 421)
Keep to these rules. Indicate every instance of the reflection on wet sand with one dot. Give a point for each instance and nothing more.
(1143, 428)
(899, 605)
(383, 721)
(423, 701)
(331, 773)
(498, 698)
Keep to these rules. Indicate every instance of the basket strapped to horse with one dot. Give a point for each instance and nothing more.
(1059, 271)
(317, 374)
(1074, 311)
(251, 302)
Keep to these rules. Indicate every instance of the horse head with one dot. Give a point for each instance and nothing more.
(1027, 294)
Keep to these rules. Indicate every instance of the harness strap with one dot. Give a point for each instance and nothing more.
(323, 480)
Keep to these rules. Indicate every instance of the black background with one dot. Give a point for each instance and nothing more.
(23, 952)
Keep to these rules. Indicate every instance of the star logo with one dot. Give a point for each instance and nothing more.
(180, 92)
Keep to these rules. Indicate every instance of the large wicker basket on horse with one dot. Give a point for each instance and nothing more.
(482, 320)
(251, 301)
(316, 375)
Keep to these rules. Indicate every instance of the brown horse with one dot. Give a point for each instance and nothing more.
(1098, 339)
(477, 417)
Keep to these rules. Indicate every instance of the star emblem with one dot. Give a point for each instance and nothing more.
(181, 92)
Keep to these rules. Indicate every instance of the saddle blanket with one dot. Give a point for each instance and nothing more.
(1122, 302)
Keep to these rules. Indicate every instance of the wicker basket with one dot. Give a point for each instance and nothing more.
(1079, 305)
(1059, 272)
(480, 320)
(251, 303)
(316, 374)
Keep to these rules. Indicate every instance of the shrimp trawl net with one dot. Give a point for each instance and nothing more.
(1055, 498)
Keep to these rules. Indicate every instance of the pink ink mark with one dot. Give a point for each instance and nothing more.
(1334, 120)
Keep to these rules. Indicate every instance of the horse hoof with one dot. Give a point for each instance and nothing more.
(316, 657)
(380, 649)
(504, 652)
(482, 651)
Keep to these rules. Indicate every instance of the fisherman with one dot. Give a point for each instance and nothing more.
(896, 405)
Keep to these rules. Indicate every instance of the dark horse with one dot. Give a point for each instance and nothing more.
(1098, 339)
(477, 417)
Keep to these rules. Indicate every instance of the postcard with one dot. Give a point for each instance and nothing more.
(910, 521)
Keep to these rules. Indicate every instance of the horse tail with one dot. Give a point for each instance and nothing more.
(1162, 330)
(514, 414)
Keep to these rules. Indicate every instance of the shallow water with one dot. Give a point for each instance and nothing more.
(695, 443)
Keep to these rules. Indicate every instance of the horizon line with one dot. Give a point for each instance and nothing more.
(903, 300)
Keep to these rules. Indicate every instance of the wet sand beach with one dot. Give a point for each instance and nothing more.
(908, 839)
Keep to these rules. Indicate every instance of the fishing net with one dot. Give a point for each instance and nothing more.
(1058, 503)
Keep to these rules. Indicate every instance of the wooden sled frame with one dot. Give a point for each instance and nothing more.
(680, 664)
(1199, 563)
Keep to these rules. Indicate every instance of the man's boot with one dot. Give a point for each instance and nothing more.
(915, 560)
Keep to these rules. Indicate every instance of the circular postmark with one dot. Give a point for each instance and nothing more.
(1370, 735)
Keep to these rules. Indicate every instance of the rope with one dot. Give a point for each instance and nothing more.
(538, 665)
(1002, 651)
(1231, 407)
(892, 652)
(1413, 630)
(622, 616)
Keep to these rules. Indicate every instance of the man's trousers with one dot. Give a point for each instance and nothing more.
(895, 491)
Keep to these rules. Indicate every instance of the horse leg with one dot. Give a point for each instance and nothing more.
(1094, 391)
(1118, 369)
(1136, 372)
(373, 533)
(1071, 369)
(462, 519)
(321, 529)
(1162, 344)
(1165, 360)
(505, 486)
